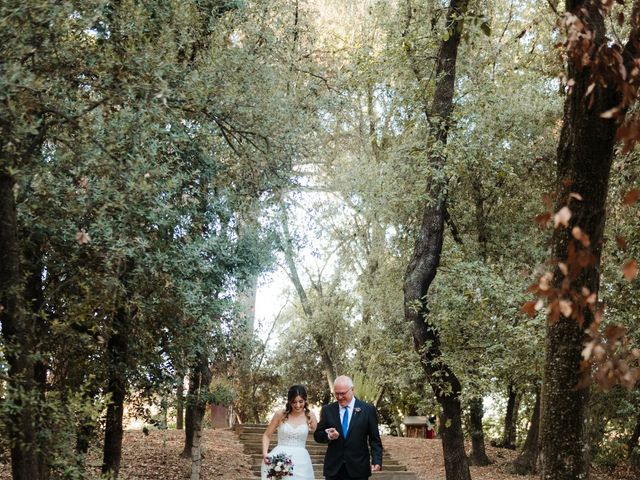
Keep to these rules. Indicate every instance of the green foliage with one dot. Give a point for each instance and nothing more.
(151, 145)
(136, 135)
(611, 421)
(221, 392)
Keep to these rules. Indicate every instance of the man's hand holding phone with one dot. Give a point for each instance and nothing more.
(332, 433)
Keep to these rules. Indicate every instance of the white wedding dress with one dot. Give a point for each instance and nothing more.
(292, 440)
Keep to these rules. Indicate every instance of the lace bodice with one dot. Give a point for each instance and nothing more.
(292, 435)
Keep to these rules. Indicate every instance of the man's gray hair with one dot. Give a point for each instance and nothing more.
(344, 380)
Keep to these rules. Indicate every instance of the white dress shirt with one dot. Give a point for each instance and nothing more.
(350, 407)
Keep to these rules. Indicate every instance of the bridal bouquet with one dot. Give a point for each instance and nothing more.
(280, 466)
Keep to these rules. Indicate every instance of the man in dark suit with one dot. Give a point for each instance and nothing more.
(350, 427)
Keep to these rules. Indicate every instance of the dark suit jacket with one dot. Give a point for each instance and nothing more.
(354, 451)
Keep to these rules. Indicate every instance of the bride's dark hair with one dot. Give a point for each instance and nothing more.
(297, 391)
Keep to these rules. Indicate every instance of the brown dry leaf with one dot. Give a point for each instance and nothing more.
(615, 333)
(530, 308)
(597, 320)
(545, 281)
(563, 268)
(543, 219)
(631, 197)
(548, 200)
(588, 350)
(611, 113)
(554, 312)
(566, 307)
(621, 242)
(590, 89)
(82, 237)
(629, 133)
(630, 270)
(562, 217)
(575, 195)
(579, 235)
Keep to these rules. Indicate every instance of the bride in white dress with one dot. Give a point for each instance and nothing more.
(293, 424)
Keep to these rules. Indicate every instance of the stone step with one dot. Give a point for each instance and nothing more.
(256, 458)
(317, 468)
(274, 439)
(257, 444)
(383, 475)
(311, 448)
(250, 435)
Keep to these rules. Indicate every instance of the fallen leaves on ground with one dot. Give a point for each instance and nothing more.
(157, 457)
(424, 458)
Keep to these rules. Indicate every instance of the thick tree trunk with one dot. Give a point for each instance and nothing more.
(180, 402)
(117, 352)
(456, 463)
(564, 444)
(25, 385)
(444, 382)
(510, 419)
(584, 159)
(189, 423)
(478, 455)
(424, 262)
(199, 381)
(526, 463)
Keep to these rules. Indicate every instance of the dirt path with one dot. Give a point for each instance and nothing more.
(424, 457)
(156, 457)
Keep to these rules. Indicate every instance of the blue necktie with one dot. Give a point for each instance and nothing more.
(345, 421)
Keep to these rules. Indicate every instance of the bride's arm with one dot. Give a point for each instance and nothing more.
(320, 435)
(314, 422)
(266, 436)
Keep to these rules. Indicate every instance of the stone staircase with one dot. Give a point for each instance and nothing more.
(250, 436)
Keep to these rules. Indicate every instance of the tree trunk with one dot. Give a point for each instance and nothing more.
(247, 304)
(327, 362)
(583, 163)
(196, 454)
(510, 419)
(84, 433)
(199, 381)
(117, 352)
(379, 395)
(189, 422)
(526, 463)
(456, 463)
(180, 402)
(24, 388)
(632, 443)
(478, 455)
(34, 298)
(424, 262)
